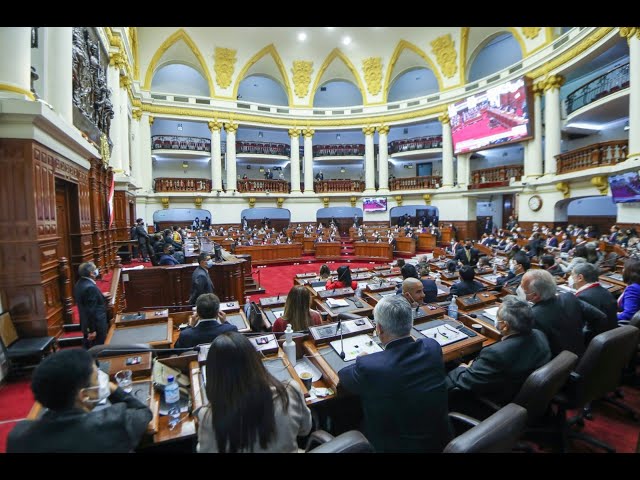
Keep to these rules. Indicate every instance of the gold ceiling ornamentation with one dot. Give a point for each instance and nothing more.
(302, 70)
(280, 201)
(252, 202)
(445, 51)
(601, 183)
(125, 81)
(629, 32)
(151, 119)
(538, 88)
(398, 199)
(564, 188)
(197, 202)
(427, 198)
(372, 68)
(136, 113)
(353, 201)
(165, 202)
(224, 65)
(531, 32)
(133, 41)
(325, 201)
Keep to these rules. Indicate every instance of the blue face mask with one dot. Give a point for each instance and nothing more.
(96, 272)
(209, 263)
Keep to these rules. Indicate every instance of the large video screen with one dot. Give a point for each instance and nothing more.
(625, 187)
(374, 204)
(488, 119)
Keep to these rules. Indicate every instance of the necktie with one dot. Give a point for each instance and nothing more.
(469, 254)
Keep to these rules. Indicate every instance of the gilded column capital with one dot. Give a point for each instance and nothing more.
(629, 32)
(215, 126)
(136, 113)
(197, 202)
(601, 183)
(325, 202)
(353, 201)
(553, 82)
(538, 88)
(294, 132)
(383, 129)
(125, 81)
(252, 202)
(280, 201)
(427, 198)
(368, 130)
(564, 188)
(308, 132)
(444, 118)
(151, 119)
(398, 199)
(231, 127)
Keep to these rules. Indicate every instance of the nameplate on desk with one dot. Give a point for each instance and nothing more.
(377, 287)
(615, 276)
(336, 292)
(444, 334)
(305, 275)
(337, 302)
(128, 317)
(353, 347)
(493, 278)
(326, 333)
(273, 301)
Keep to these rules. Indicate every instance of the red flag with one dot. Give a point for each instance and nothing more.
(110, 201)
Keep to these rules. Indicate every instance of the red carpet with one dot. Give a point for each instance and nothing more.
(16, 399)
(5, 428)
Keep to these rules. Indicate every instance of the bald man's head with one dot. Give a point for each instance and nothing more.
(412, 290)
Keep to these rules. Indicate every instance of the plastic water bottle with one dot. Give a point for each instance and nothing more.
(453, 308)
(172, 399)
(289, 345)
(495, 268)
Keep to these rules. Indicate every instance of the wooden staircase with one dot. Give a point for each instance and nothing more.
(346, 247)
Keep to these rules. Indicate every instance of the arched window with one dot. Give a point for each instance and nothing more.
(416, 82)
(262, 89)
(337, 93)
(495, 54)
(181, 79)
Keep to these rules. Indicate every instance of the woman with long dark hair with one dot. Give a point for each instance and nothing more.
(249, 410)
(297, 311)
(629, 301)
(344, 279)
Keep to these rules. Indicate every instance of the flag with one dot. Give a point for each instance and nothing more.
(110, 201)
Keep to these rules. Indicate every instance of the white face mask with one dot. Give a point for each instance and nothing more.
(571, 282)
(96, 272)
(521, 294)
(513, 266)
(96, 395)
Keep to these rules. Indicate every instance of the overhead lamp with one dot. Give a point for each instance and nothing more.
(346, 40)
(342, 170)
(302, 36)
(261, 169)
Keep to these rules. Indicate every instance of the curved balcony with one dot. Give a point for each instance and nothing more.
(182, 185)
(263, 148)
(606, 84)
(592, 156)
(496, 176)
(271, 186)
(338, 186)
(178, 142)
(415, 183)
(419, 143)
(340, 150)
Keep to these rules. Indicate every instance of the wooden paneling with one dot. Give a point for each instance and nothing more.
(373, 251)
(426, 241)
(406, 245)
(328, 250)
(466, 229)
(261, 254)
(171, 286)
(603, 223)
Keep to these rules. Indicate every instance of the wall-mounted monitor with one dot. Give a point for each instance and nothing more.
(374, 204)
(625, 187)
(492, 118)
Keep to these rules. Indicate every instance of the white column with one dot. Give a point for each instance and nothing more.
(231, 129)
(464, 169)
(447, 151)
(633, 36)
(308, 161)
(216, 156)
(552, 122)
(115, 132)
(533, 149)
(58, 75)
(136, 160)
(15, 66)
(369, 160)
(383, 159)
(146, 163)
(294, 133)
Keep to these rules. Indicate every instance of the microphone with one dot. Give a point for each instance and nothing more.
(339, 327)
(278, 297)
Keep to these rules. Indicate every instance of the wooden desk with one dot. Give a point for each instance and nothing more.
(333, 313)
(426, 241)
(264, 254)
(270, 302)
(615, 278)
(309, 245)
(406, 245)
(373, 251)
(328, 250)
(157, 335)
(468, 302)
(141, 318)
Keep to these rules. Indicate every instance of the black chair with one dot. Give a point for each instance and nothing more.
(352, 441)
(597, 374)
(499, 433)
(23, 352)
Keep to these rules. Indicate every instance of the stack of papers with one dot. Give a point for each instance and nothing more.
(337, 302)
(444, 334)
(355, 346)
(491, 314)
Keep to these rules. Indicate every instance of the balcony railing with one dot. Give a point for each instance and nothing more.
(181, 185)
(604, 85)
(272, 186)
(496, 176)
(335, 186)
(263, 148)
(592, 156)
(177, 142)
(419, 143)
(341, 150)
(415, 183)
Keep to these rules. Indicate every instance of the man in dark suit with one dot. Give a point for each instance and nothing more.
(210, 323)
(92, 306)
(499, 370)
(518, 265)
(68, 385)
(398, 385)
(467, 284)
(548, 262)
(488, 225)
(566, 244)
(200, 279)
(467, 255)
(143, 239)
(560, 317)
(585, 281)
(552, 241)
(429, 287)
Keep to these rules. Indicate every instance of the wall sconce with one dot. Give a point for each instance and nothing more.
(179, 127)
(337, 136)
(218, 193)
(342, 170)
(261, 169)
(259, 134)
(185, 165)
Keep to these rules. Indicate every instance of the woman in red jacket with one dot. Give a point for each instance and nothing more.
(344, 279)
(297, 311)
